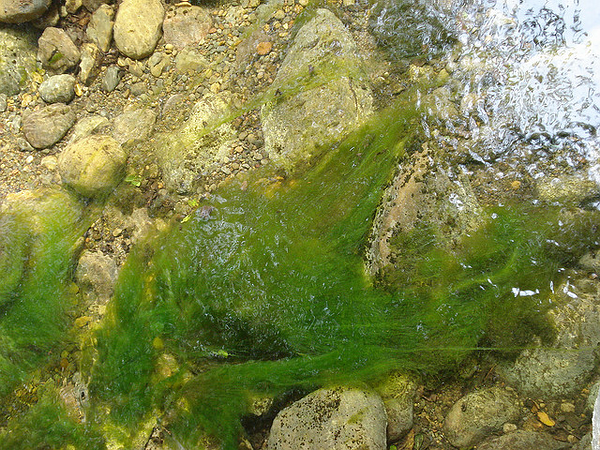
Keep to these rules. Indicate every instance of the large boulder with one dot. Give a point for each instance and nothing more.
(480, 413)
(134, 37)
(56, 50)
(331, 419)
(92, 166)
(18, 11)
(319, 94)
(46, 126)
(18, 50)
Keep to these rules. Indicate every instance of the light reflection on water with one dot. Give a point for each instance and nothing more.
(530, 70)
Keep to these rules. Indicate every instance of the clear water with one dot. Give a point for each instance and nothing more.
(269, 292)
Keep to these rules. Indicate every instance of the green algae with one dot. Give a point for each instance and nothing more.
(267, 291)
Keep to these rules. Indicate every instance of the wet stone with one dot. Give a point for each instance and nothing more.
(58, 89)
(111, 78)
(3, 102)
(56, 50)
(48, 125)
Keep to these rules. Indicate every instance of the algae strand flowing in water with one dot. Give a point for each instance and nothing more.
(268, 292)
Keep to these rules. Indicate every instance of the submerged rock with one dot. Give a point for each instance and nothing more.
(523, 440)
(480, 413)
(45, 127)
(56, 50)
(97, 274)
(560, 370)
(134, 37)
(58, 89)
(133, 125)
(398, 394)
(203, 141)
(93, 165)
(100, 28)
(319, 93)
(18, 11)
(186, 26)
(331, 419)
(18, 49)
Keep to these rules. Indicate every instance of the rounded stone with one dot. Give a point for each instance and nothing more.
(47, 126)
(134, 37)
(92, 166)
(478, 414)
(186, 26)
(58, 89)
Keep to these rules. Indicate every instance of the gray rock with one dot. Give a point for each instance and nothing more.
(48, 125)
(134, 37)
(197, 146)
(186, 26)
(134, 125)
(56, 50)
(190, 60)
(97, 274)
(111, 78)
(18, 58)
(58, 89)
(562, 369)
(331, 419)
(90, 62)
(93, 5)
(100, 27)
(523, 440)
(3, 102)
(398, 394)
(16, 11)
(478, 414)
(322, 97)
(93, 165)
(88, 125)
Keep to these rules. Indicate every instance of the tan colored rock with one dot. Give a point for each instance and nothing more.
(92, 166)
(134, 37)
(100, 28)
(45, 127)
(56, 50)
(186, 26)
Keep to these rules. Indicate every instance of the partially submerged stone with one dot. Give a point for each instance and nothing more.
(92, 166)
(331, 419)
(319, 94)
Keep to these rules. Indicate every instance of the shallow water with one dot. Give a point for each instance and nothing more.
(267, 292)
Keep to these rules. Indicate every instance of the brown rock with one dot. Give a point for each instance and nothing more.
(186, 26)
(264, 48)
(48, 125)
(19, 11)
(56, 50)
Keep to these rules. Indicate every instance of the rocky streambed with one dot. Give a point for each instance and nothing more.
(121, 121)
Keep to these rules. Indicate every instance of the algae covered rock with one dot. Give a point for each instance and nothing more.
(92, 166)
(204, 140)
(18, 50)
(331, 419)
(398, 392)
(320, 93)
(14, 243)
(478, 414)
(134, 37)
